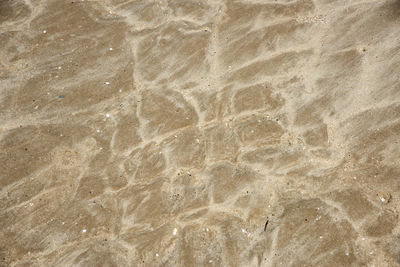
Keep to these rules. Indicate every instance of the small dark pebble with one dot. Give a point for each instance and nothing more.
(61, 96)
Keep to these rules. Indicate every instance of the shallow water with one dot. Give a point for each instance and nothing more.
(199, 133)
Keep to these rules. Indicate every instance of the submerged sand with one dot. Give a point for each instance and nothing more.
(199, 133)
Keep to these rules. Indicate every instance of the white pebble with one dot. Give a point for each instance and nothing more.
(84, 231)
(347, 254)
(98, 131)
(371, 253)
(107, 83)
(59, 68)
(108, 115)
(157, 255)
(110, 49)
(44, 31)
(175, 231)
(62, 223)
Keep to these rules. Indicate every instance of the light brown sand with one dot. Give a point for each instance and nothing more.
(167, 133)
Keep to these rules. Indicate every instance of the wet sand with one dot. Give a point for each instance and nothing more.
(199, 133)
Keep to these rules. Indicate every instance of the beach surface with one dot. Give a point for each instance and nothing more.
(199, 133)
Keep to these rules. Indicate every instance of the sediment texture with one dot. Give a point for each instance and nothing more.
(168, 133)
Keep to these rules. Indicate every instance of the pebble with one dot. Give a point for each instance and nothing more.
(84, 231)
(384, 197)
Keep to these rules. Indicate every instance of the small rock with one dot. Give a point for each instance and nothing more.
(384, 197)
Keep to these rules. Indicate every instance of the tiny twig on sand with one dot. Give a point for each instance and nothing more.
(265, 227)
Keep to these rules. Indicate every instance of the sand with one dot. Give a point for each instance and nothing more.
(199, 133)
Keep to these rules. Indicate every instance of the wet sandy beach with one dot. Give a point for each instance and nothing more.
(199, 133)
